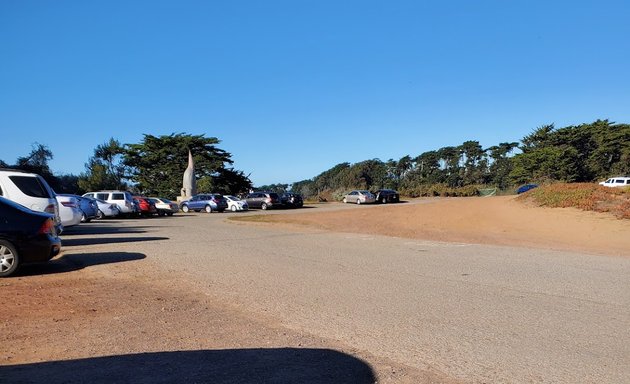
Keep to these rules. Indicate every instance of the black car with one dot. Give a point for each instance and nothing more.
(387, 196)
(25, 237)
(263, 200)
(291, 200)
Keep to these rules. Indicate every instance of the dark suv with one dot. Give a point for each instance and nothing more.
(263, 200)
(209, 202)
(291, 200)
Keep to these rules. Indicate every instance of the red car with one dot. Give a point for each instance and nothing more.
(146, 206)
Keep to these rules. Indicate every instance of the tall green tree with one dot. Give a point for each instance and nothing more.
(157, 164)
(472, 163)
(105, 169)
(501, 164)
(36, 161)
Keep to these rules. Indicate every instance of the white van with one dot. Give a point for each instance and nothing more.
(618, 181)
(29, 190)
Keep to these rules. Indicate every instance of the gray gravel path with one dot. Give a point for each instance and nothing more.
(477, 313)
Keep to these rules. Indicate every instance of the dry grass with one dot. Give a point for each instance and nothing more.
(585, 196)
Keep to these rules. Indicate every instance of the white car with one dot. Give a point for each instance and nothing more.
(359, 197)
(165, 206)
(106, 209)
(29, 190)
(236, 204)
(123, 199)
(69, 210)
(619, 181)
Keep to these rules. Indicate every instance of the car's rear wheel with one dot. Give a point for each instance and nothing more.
(9, 259)
(358, 201)
(384, 200)
(263, 206)
(100, 214)
(233, 208)
(185, 208)
(208, 208)
(344, 200)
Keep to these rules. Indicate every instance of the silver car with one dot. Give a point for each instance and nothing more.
(359, 197)
(106, 209)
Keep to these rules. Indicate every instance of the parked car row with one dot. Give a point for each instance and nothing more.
(117, 203)
(382, 196)
(214, 202)
(268, 200)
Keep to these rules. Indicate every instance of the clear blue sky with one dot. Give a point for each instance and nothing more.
(292, 88)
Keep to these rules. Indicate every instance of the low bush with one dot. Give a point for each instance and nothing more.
(585, 196)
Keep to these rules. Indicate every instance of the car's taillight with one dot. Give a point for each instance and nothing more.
(50, 209)
(47, 227)
(68, 204)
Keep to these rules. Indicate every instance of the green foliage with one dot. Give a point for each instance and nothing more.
(230, 181)
(157, 165)
(305, 188)
(583, 153)
(443, 190)
(278, 188)
(105, 169)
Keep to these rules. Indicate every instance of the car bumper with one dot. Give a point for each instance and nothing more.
(40, 249)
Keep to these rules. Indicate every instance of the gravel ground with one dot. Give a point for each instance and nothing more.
(196, 298)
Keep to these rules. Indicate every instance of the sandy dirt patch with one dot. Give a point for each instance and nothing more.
(492, 220)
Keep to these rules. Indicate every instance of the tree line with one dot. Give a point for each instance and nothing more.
(582, 153)
(153, 167)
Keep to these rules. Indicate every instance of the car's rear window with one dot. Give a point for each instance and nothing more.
(31, 186)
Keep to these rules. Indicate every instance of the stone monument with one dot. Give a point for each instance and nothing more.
(189, 184)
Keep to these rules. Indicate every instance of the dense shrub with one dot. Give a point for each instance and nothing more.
(442, 190)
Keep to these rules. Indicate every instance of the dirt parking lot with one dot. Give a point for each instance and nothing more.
(495, 220)
(95, 314)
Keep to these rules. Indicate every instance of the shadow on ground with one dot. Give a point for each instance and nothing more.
(107, 240)
(74, 262)
(100, 229)
(274, 365)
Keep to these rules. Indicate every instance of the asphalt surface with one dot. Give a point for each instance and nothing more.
(477, 313)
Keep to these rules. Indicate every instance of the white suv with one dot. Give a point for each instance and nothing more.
(619, 181)
(29, 190)
(123, 199)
